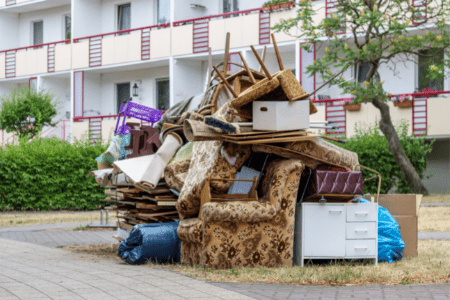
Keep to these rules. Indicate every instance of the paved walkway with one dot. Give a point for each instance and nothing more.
(440, 236)
(47, 235)
(35, 272)
(435, 204)
(291, 292)
(30, 272)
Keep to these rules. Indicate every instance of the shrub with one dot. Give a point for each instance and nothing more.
(48, 174)
(26, 111)
(373, 152)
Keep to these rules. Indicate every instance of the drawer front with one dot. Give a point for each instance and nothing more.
(365, 212)
(360, 248)
(323, 230)
(361, 230)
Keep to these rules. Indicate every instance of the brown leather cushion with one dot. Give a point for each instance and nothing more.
(341, 183)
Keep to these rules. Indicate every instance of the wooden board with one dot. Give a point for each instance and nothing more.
(124, 225)
(264, 132)
(268, 135)
(157, 214)
(274, 140)
(130, 190)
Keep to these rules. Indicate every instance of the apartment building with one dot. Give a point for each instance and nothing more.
(95, 54)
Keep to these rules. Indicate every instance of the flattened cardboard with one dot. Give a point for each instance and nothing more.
(401, 204)
(408, 230)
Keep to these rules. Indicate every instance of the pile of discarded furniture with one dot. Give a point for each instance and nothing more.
(239, 166)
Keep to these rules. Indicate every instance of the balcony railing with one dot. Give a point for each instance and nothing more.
(96, 41)
(201, 27)
(47, 52)
(335, 112)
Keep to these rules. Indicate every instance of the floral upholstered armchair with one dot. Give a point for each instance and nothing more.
(247, 233)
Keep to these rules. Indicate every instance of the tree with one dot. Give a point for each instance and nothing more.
(378, 32)
(26, 111)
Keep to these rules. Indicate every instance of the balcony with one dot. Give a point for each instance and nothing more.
(23, 6)
(424, 104)
(37, 59)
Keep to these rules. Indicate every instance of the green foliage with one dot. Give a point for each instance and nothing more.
(374, 153)
(276, 2)
(26, 111)
(378, 32)
(48, 174)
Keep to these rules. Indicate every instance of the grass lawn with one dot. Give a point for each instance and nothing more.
(436, 198)
(431, 266)
(20, 219)
(434, 218)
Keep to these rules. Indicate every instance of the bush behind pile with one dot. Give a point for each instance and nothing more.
(49, 174)
(373, 152)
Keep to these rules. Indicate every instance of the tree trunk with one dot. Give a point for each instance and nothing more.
(396, 148)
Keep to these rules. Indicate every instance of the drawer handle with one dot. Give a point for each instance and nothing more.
(360, 230)
(361, 213)
(335, 211)
(360, 248)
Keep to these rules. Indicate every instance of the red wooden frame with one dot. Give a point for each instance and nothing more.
(329, 6)
(421, 7)
(29, 82)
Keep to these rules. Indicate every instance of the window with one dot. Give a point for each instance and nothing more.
(124, 17)
(163, 93)
(361, 72)
(38, 32)
(123, 94)
(230, 5)
(163, 11)
(67, 27)
(436, 58)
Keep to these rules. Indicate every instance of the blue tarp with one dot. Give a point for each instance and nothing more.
(156, 242)
(390, 243)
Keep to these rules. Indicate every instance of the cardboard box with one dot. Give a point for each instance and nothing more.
(405, 209)
(280, 115)
(408, 229)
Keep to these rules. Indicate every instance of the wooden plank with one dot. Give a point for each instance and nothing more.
(226, 54)
(265, 132)
(274, 140)
(156, 214)
(263, 58)
(269, 135)
(124, 225)
(129, 190)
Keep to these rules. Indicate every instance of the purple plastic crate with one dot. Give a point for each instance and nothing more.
(138, 111)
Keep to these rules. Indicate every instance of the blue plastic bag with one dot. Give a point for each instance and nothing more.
(390, 243)
(157, 242)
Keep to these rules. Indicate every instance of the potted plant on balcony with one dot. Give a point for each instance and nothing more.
(277, 4)
(402, 101)
(348, 105)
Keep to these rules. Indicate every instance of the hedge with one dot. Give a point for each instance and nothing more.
(49, 174)
(373, 152)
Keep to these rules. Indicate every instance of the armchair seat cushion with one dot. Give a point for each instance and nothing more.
(238, 211)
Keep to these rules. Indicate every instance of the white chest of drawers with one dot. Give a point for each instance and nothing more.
(336, 231)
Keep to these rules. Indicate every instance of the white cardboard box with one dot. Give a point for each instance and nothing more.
(280, 115)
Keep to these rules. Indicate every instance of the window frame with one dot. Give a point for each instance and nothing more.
(156, 91)
(64, 25)
(32, 31)
(419, 67)
(117, 15)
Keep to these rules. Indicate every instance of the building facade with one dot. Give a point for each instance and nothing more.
(94, 54)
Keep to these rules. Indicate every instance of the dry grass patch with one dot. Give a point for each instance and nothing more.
(7, 220)
(431, 266)
(434, 219)
(436, 198)
(106, 251)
